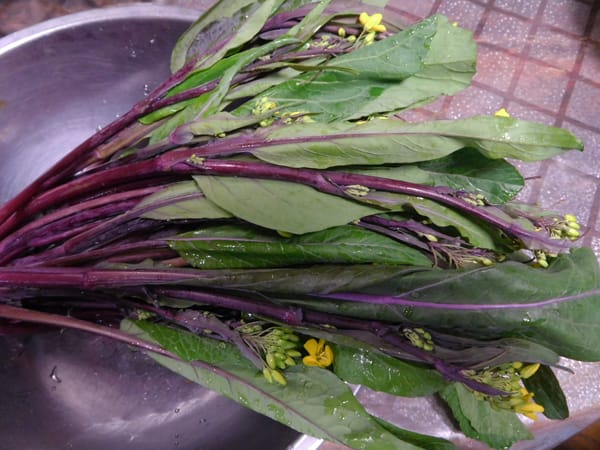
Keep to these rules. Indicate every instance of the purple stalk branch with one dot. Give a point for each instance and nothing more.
(180, 163)
(335, 183)
(401, 301)
(94, 278)
(27, 315)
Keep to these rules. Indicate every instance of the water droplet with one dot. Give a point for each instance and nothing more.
(54, 375)
(117, 115)
(177, 410)
(152, 41)
(99, 128)
(146, 90)
(132, 53)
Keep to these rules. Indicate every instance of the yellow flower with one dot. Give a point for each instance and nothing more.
(319, 353)
(502, 112)
(371, 23)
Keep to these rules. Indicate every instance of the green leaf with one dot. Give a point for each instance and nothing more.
(209, 248)
(448, 67)
(478, 420)
(558, 307)
(314, 401)
(230, 24)
(478, 354)
(395, 142)
(279, 205)
(548, 393)
(380, 372)
(432, 48)
(465, 170)
(211, 101)
(474, 231)
(180, 201)
(215, 124)
(427, 442)
(336, 95)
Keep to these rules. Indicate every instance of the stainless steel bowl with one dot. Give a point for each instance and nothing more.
(59, 81)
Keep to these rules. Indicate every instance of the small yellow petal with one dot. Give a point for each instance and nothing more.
(363, 17)
(373, 21)
(310, 360)
(530, 407)
(502, 112)
(529, 370)
(327, 356)
(311, 346)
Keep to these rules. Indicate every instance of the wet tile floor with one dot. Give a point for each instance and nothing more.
(540, 59)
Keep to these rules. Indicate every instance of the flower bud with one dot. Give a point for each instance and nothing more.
(267, 374)
(278, 377)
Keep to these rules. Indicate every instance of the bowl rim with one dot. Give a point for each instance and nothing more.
(102, 14)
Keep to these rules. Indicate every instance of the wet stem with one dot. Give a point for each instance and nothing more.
(183, 163)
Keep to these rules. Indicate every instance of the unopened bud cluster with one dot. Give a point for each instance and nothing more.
(419, 338)
(276, 346)
(566, 228)
(509, 378)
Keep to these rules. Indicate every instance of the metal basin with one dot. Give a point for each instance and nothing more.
(59, 81)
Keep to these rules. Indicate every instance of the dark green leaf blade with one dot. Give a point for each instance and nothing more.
(339, 245)
(427, 442)
(383, 373)
(314, 401)
(548, 393)
(465, 170)
(558, 307)
(432, 47)
(478, 420)
(395, 142)
(281, 206)
(338, 95)
(230, 24)
(180, 201)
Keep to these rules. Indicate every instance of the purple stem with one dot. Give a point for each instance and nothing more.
(333, 182)
(328, 181)
(27, 315)
(94, 278)
(287, 314)
(402, 301)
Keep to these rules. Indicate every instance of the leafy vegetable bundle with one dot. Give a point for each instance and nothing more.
(265, 224)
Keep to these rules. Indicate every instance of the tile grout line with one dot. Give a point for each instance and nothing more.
(574, 77)
(574, 73)
(536, 186)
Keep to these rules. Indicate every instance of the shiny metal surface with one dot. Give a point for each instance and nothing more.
(69, 390)
(59, 81)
